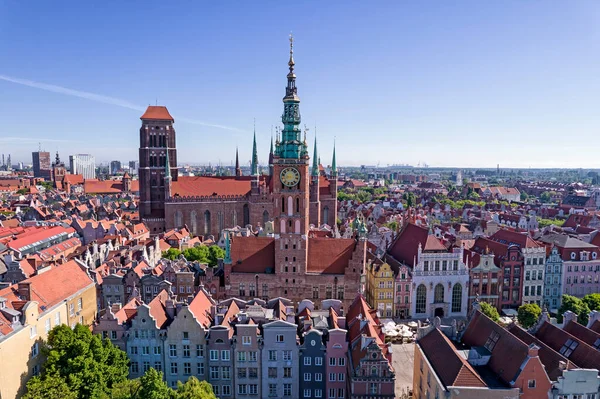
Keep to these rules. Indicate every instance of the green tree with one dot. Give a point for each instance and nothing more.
(592, 301)
(576, 306)
(410, 199)
(152, 386)
(528, 314)
(363, 196)
(171, 253)
(393, 225)
(524, 196)
(490, 311)
(22, 191)
(195, 389)
(49, 387)
(545, 196)
(473, 196)
(89, 366)
(214, 254)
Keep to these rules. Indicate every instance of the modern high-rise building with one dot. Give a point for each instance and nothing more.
(83, 164)
(133, 167)
(41, 164)
(115, 167)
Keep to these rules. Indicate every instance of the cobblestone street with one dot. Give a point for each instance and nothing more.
(402, 360)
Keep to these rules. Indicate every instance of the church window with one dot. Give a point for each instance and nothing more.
(438, 296)
(326, 215)
(282, 205)
(265, 217)
(178, 219)
(220, 217)
(246, 215)
(421, 299)
(234, 217)
(290, 224)
(193, 222)
(297, 205)
(290, 207)
(282, 226)
(456, 298)
(297, 227)
(206, 222)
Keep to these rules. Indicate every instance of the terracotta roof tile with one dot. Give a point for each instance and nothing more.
(157, 112)
(583, 355)
(193, 186)
(450, 367)
(253, 254)
(201, 308)
(329, 255)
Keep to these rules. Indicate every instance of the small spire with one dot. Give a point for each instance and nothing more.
(254, 155)
(333, 164)
(167, 167)
(315, 166)
(291, 61)
(238, 171)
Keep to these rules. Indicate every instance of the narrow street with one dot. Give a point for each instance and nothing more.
(403, 362)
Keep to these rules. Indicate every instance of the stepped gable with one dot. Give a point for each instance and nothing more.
(329, 255)
(252, 254)
(128, 311)
(158, 310)
(548, 356)
(452, 368)
(200, 307)
(509, 352)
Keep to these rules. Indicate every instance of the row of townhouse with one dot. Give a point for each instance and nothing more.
(420, 276)
(256, 348)
(488, 360)
(62, 294)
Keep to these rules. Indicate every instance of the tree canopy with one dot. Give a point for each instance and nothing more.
(592, 301)
(78, 363)
(490, 311)
(575, 305)
(528, 314)
(201, 253)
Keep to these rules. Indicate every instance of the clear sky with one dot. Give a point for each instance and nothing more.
(449, 83)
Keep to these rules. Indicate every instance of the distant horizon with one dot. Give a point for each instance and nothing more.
(465, 84)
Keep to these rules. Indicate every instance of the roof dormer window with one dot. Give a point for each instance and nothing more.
(573, 255)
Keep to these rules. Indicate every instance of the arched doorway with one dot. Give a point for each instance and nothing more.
(439, 312)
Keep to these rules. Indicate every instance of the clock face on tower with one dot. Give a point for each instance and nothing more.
(289, 177)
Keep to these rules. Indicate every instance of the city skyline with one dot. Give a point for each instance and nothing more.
(466, 85)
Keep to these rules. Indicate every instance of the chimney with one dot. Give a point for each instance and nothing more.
(115, 307)
(569, 316)
(170, 308)
(532, 351)
(24, 288)
(562, 365)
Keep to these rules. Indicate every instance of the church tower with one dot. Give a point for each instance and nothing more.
(315, 205)
(158, 158)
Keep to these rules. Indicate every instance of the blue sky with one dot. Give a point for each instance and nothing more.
(461, 83)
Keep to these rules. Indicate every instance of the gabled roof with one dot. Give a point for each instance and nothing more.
(583, 355)
(405, 248)
(509, 237)
(200, 308)
(194, 186)
(329, 255)
(157, 112)
(508, 354)
(585, 334)
(252, 254)
(128, 311)
(452, 369)
(158, 309)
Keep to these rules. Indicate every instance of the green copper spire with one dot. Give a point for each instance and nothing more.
(315, 166)
(227, 258)
(167, 166)
(333, 165)
(254, 156)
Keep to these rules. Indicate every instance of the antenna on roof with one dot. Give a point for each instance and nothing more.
(156, 101)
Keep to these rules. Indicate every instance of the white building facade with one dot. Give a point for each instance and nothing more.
(440, 284)
(83, 164)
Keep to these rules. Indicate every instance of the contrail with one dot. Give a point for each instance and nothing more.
(101, 99)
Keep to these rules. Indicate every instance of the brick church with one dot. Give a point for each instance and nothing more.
(299, 260)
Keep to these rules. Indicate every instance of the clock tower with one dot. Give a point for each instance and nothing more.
(290, 165)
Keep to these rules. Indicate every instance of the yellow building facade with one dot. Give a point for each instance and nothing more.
(29, 310)
(379, 290)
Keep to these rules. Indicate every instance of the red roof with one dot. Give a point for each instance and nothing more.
(200, 308)
(194, 186)
(583, 355)
(509, 237)
(128, 311)
(94, 186)
(158, 112)
(329, 255)
(406, 246)
(73, 179)
(451, 368)
(39, 235)
(253, 254)
(158, 310)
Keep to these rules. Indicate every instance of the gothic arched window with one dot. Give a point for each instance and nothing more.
(290, 206)
(297, 205)
(421, 299)
(282, 204)
(438, 295)
(178, 219)
(297, 227)
(206, 222)
(194, 222)
(457, 298)
(265, 217)
(246, 215)
(282, 226)
(325, 218)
